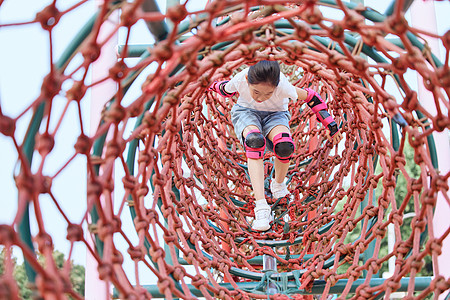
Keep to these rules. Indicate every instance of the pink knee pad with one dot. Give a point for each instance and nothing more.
(255, 144)
(283, 146)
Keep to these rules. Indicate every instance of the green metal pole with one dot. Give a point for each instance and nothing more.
(29, 140)
(257, 260)
(159, 29)
(390, 10)
(420, 284)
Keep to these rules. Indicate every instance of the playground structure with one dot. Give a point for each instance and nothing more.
(184, 172)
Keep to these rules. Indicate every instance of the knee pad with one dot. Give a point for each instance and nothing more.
(283, 146)
(255, 144)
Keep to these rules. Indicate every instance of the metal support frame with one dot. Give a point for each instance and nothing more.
(159, 29)
(420, 284)
(270, 264)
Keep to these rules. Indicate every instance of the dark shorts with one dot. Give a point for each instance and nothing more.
(264, 120)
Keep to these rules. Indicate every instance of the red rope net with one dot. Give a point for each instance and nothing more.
(184, 171)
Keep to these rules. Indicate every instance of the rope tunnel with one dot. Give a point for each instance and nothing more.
(185, 180)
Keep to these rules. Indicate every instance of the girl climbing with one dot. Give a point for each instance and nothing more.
(261, 117)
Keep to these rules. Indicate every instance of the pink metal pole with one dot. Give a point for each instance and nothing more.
(95, 288)
(423, 16)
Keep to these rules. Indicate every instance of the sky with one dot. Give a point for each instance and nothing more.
(24, 61)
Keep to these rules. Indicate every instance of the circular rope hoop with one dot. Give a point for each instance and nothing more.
(183, 172)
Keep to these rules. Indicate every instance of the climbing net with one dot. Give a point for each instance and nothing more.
(184, 176)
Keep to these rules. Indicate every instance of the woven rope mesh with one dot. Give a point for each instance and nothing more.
(167, 189)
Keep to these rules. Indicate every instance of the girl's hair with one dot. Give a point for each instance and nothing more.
(265, 71)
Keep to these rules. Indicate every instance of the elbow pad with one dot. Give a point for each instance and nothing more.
(219, 87)
(320, 110)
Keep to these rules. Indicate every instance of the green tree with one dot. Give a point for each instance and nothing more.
(413, 171)
(77, 274)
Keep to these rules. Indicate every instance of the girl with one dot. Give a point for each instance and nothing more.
(261, 117)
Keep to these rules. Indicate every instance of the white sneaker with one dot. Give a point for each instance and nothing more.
(262, 218)
(279, 190)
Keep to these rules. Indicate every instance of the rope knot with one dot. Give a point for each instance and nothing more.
(104, 229)
(129, 182)
(441, 284)
(397, 25)
(178, 272)
(128, 15)
(83, 144)
(393, 285)
(51, 85)
(157, 253)
(302, 32)
(74, 232)
(420, 224)
(172, 99)
(151, 121)
(113, 150)
(166, 285)
(135, 253)
(353, 20)
(91, 51)
(379, 231)
(402, 247)
(117, 258)
(360, 64)
(177, 13)
(42, 184)
(199, 281)
(163, 51)
(116, 113)
(312, 15)
(7, 235)
(119, 71)
(337, 31)
(94, 188)
(416, 263)
(434, 247)
(7, 125)
(49, 285)
(364, 293)
(373, 264)
(44, 241)
(353, 271)
(48, 17)
(8, 288)
(142, 191)
(141, 224)
(371, 211)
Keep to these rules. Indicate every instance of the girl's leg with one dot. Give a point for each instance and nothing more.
(281, 134)
(256, 173)
(255, 170)
(281, 168)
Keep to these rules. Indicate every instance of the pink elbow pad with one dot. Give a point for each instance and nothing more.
(219, 87)
(319, 107)
(316, 104)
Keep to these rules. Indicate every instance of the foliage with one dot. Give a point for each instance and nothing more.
(413, 171)
(77, 274)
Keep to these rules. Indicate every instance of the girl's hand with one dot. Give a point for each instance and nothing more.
(336, 138)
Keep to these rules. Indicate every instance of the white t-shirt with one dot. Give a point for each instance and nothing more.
(277, 102)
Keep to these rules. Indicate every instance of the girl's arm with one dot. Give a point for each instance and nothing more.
(301, 94)
(219, 87)
(319, 107)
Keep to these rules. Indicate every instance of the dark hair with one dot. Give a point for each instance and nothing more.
(265, 71)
